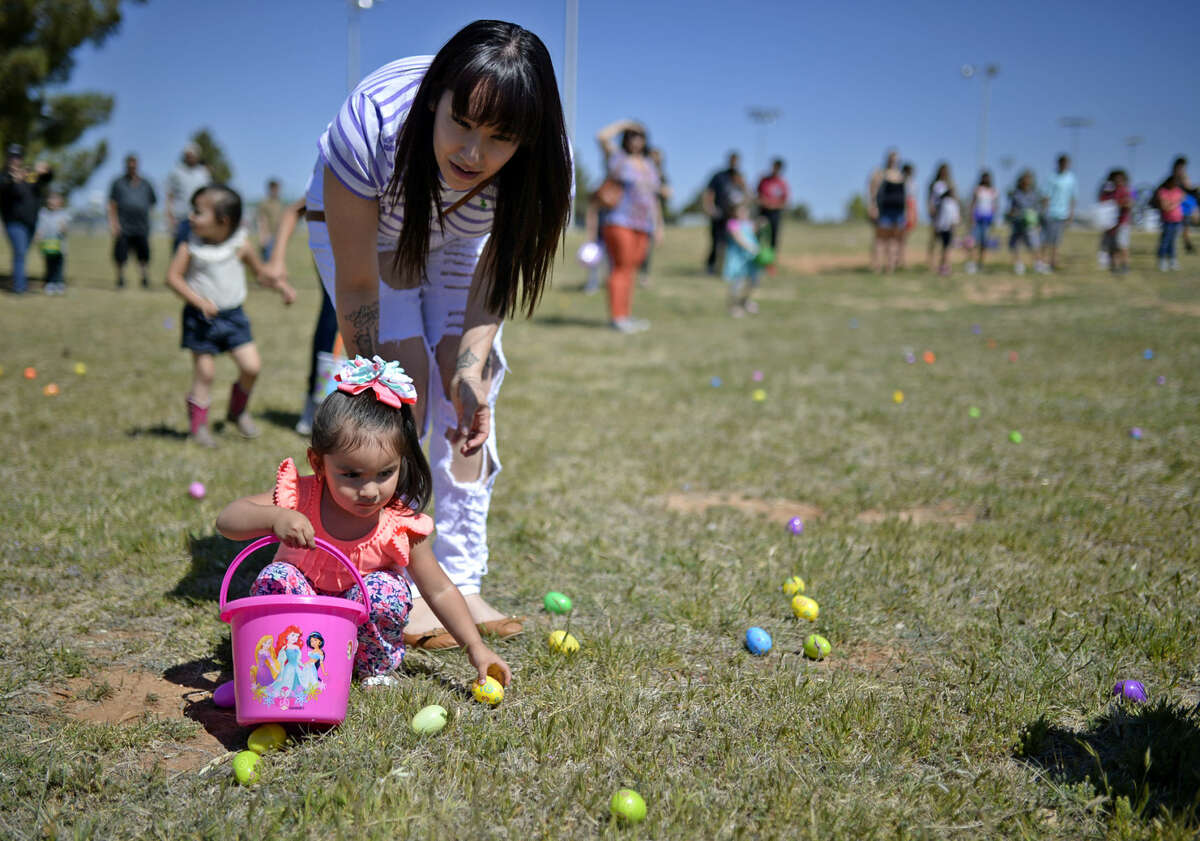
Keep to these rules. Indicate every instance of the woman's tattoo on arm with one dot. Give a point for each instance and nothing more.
(366, 328)
(465, 360)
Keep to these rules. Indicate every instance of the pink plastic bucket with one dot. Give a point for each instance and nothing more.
(293, 656)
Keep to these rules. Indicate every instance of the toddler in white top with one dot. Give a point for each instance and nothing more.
(208, 272)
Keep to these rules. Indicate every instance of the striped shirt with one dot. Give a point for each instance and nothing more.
(359, 147)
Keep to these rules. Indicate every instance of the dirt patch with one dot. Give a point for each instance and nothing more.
(1175, 307)
(943, 514)
(870, 658)
(120, 696)
(1002, 290)
(817, 263)
(775, 510)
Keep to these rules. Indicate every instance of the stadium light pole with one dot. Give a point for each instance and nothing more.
(989, 72)
(352, 41)
(1073, 125)
(764, 118)
(1133, 143)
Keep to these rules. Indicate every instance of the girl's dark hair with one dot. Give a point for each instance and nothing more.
(627, 141)
(498, 74)
(227, 204)
(985, 178)
(942, 173)
(345, 422)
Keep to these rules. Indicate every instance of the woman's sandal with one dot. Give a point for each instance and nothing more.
(439, 639)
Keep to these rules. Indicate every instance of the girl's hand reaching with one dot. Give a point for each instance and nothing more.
(488, 663)
(294, 529)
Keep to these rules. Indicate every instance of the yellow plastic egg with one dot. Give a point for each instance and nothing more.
(489, 692)
(805, 608)
(793, 585)
(563, 643)
(266, 737)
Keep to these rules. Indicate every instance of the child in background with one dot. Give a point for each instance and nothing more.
(740, 268)
(207, 272)
(1170, 204)
(1115, 242)
(369, 485)
(948, 217)
(51, 235)
(1023, 205)
(983, 211)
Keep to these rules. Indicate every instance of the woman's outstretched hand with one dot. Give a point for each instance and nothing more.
(469, 396)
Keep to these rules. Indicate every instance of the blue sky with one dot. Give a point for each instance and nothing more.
(850, 79)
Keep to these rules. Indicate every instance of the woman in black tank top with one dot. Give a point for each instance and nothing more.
(886, 206)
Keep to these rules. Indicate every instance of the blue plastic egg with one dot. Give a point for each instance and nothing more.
(758, 641)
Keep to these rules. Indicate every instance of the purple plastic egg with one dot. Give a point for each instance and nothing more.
(796, 525)
(1161, 380)
(1130, 690)
(196, 490)
(223, 695)
(757, 376)
(1136, 433)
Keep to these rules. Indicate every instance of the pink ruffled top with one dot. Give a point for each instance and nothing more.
(386, 547)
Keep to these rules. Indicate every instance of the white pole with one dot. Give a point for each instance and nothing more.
(570, 66)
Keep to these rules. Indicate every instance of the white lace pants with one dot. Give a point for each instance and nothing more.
(432, 311)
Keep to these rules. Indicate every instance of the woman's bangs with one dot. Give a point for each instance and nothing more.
(504, 99)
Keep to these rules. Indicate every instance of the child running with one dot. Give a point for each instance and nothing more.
(1170, 204)
(741, 267)
(206, 271)
(1024, 216)
(948, 217)
(371, 482)
(983, 210)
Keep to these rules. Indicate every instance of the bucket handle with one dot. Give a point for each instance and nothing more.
(328, 547)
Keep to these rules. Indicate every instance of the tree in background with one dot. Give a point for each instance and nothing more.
(213, 156)
(37, 39)
(856, 209)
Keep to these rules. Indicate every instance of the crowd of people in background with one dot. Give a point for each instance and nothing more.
(1036, 216)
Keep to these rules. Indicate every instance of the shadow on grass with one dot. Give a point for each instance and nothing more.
(1147, 756)
(571, 321)
(284, 420)
(211, 556)
(159, 431)
(219, 722)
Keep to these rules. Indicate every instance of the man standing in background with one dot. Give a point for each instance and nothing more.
(773, 199)
(723, 193)
(188, 176)
(129, 203)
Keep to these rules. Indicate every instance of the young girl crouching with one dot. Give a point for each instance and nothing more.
(369, 486)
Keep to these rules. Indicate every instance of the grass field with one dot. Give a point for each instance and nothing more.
(981, 596)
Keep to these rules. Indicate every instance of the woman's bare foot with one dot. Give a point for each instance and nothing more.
(481, 611)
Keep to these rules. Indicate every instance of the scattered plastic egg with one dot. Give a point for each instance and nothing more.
(897, 396)
(976, 329)
(557, 602)
(1147, 354)
(974, 412)
(628, 805)
(816, 647)
(563, 643)
(224, 695)
(266, 737)
(80, 368)
(793, 585)
(1131, 690)
(1012, 356)
(910, 358)
(1015, 437)
(245, 769)
(805, 608)
(430, 720)
(759, 395)
(589, 254)
(758, 641)
(796, 525)
(757, 376)
(30, 373)
(929, 357)
(196, 490)
(715, 382)
(488, 692)
(1136, 433)
(51, 390)
(1161, 380)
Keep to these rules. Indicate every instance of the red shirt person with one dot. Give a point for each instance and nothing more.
(773, 197)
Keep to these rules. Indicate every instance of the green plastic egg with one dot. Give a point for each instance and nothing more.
(245, 769)
(430, 720)
(556, 602)
(816, 647)
(628, 805)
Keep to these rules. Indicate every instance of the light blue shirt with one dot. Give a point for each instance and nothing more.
(1060, 192)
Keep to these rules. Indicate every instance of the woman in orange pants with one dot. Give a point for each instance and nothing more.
(636, 218)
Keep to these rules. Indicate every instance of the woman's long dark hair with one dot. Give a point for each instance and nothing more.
(498, 74)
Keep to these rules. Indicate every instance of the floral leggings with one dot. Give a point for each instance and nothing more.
(381, 637)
